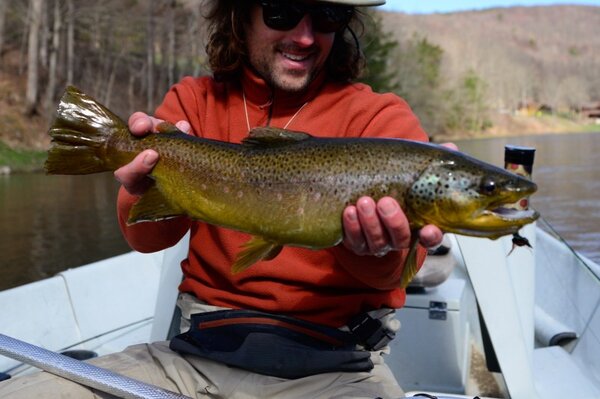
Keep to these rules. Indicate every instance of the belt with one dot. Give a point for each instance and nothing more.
(279, 345)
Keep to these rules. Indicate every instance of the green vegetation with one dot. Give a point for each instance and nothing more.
(412, 69)
(574, 51)
(19, 160)
(418, 70)
(591, 127)
(467, 110)
(378, 46)
(532, 43)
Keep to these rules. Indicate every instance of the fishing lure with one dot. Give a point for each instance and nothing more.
(519, 241)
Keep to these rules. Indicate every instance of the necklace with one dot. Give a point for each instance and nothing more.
(286, 125)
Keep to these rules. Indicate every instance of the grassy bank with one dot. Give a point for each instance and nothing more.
(20, 160)
(504, 125)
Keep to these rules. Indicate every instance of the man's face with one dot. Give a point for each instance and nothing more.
(288, 60)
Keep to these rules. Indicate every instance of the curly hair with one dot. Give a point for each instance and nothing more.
(227, 52)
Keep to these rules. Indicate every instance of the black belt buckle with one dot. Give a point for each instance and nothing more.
(370, 332)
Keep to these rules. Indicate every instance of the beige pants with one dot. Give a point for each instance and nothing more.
(201, 378)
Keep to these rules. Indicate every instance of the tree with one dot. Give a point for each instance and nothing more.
(70, 20)
(171, 43)
(53, 57)
(31, 94)
(467, 107)
(3, 7)
(150, 59)
(378, 47)
(418, 67)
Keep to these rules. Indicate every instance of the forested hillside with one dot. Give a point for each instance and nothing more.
(514, 70)
(550, 55)
(456, 70)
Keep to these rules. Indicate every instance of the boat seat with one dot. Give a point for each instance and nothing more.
(549, 331)
(437, 267)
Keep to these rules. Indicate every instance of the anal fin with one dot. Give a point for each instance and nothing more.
(410, 265)
(153, 206)
(255, 250)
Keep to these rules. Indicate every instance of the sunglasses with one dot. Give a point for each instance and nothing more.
(285, 15)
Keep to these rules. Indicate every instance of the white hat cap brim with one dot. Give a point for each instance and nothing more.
(356, 3)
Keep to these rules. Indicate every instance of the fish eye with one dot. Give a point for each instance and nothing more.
(488, 185)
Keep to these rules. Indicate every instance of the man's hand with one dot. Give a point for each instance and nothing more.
(134, 175)
(372, 228)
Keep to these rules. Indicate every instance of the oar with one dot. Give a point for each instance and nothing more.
(83, 373)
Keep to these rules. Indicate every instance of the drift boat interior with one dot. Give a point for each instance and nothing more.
(524, 325)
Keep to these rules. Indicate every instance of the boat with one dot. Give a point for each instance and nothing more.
(503, 322)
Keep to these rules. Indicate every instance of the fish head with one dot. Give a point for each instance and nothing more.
(462, 195)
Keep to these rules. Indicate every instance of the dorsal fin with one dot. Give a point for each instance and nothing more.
(167, 127)
(273, 137)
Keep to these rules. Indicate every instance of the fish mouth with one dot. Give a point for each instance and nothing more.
(514, 214)
(504, 211)
(499, 221)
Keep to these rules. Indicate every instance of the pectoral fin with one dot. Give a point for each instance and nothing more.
(410, 265)
(255, 250)
(152, 206)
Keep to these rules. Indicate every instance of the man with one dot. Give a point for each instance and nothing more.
(280, 328)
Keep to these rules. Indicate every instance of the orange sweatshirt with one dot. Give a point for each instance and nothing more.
(327, 286)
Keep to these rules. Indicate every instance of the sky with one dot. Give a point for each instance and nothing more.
(431, 6)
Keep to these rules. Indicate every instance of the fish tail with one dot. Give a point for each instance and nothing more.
(80, 134)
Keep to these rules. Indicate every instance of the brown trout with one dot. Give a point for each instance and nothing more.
(290, 188)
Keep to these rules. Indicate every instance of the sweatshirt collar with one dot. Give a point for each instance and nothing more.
(259, 92)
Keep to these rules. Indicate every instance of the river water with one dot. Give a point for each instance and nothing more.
(52, 223)
(567, 172)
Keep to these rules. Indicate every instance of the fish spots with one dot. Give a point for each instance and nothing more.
(424, 191)
(438, 185)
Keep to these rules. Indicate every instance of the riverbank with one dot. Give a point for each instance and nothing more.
(20, 160)
(30, 156)
(23, 138)
(509, 125)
